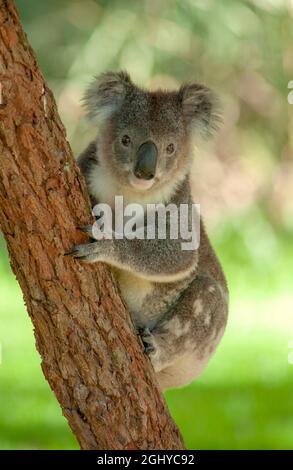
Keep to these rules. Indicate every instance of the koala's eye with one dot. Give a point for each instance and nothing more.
(170, 149)
(126, 140)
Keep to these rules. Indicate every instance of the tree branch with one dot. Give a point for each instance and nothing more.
(90, 354)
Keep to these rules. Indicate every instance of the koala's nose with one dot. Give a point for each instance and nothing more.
(146, 161)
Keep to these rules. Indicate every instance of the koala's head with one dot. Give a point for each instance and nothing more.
(145, 137)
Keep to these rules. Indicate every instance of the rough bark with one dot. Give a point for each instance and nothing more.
(90, 354)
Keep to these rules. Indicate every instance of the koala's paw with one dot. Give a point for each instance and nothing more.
(148, 341)
(152, 348)
(87, 252)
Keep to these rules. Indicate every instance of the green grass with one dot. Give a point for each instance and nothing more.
(242, 401)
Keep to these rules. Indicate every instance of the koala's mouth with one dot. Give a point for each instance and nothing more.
(141, 184)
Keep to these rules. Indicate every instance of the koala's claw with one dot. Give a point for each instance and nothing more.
(70, 253)
(148, 340)
(88, 229)
(74, 252)
(149, 348)
(86, 252)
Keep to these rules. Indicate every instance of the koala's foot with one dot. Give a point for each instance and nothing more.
(152, 348)
(148, 340)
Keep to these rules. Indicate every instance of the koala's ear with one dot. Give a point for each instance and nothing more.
(105, 95)
(201, 108)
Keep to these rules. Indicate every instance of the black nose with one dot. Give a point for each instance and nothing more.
(146, 161)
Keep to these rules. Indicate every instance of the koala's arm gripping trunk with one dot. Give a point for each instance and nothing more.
(90, 355)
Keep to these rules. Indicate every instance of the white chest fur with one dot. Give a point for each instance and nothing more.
(104, 188)
(133, 290)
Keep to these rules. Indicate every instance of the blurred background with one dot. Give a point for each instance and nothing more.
(244, 182)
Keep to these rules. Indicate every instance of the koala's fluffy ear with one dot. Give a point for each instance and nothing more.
(201, 108)
(105, 95)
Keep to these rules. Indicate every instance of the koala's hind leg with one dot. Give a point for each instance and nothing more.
(181, 343)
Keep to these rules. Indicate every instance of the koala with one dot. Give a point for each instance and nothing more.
(144, 151)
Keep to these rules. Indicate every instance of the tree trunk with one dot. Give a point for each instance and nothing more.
(90, 353)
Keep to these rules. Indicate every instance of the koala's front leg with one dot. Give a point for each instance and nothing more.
(155, 259)
(181, 343)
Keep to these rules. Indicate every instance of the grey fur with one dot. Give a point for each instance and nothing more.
(177, 299)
